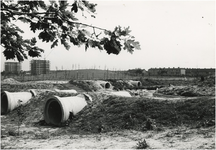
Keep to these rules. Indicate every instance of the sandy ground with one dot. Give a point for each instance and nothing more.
(46, 137)
(43, 137)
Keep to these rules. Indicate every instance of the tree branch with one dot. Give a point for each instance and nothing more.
(88, 25)
(26, 13)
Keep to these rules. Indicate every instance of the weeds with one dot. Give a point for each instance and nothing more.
(44, 135)
(20, 114)
(12, 133)
(142, 144)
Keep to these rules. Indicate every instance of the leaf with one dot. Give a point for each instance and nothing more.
(85, 32)
(34, 53)
(112, 46)
(24, 19)
(33, 26)
(63, 5)
(86, 46)
(130, 45)
(74, 7)
(64, 28)
(106, 32)
(126, 31)
(66, 45)
(55, 43)
(81, 36)
(47, 36)
(42, 4)
(19, 56)
(9, 54)
(136, 45)
(90, 6)
(33, 41)
(74, 40)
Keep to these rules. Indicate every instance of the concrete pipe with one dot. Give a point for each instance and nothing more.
(135, 83)
(66, 91)
(121, 93)
(105, 84)
(10, 101)
(57, 110)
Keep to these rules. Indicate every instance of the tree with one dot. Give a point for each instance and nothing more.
(55, 22)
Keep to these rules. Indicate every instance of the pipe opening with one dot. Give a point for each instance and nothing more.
(107, 85)
(54, 112)
(4, 103)
(139, 84)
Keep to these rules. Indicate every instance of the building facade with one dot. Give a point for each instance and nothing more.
(12, 67)
(190, 72)
(39, 67)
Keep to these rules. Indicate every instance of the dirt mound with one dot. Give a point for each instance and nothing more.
(86, 85)
(145, 84)
(10, 81)
(25, 86)
(206, 82)
(187, 90)
(116, 113)
(108, 113)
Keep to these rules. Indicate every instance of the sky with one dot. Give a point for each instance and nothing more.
(171, 34)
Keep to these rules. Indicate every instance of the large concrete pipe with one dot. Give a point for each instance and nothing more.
(135, 83)
(66, 91)
(10, 101)
(105, 84)
(57, 110)
(121, 93)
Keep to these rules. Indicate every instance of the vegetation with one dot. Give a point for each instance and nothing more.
(142, 144)
(20, 115)
(137, 71)
(55, 22)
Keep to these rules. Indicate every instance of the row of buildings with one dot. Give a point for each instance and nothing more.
(36, 67)
(43, 67)
(189, 72)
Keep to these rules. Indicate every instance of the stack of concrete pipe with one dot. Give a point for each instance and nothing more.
(12, 100)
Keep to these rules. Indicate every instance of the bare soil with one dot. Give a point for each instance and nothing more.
(180, 137)
(110, 122)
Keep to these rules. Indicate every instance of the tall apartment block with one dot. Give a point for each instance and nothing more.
(12, 67)
(39, 67)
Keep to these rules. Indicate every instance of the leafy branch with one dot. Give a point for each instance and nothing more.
(57, 24)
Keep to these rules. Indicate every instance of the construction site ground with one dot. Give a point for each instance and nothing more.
(176, 116)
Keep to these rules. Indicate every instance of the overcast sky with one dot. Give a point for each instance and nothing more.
(171, 34)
